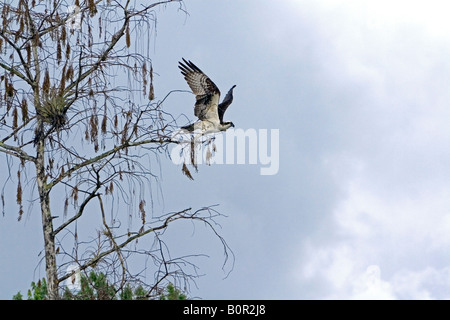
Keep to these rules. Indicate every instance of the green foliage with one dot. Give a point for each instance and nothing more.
(95, 286)
(38, 291)
(173, 294)
(128, 293)
(18, 296)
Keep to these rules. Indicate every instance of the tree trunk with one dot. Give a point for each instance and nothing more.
(47, 224)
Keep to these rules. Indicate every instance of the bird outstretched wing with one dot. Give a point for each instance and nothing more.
(225, 103)
(206, 92)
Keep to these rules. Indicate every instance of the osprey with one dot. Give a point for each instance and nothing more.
(207, 107)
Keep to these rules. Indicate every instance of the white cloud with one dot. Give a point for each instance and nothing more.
(389, 60)
(430, 15)
(404, 239)
(370, 286)
(344, 273)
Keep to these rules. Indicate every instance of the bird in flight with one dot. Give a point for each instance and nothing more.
(207, 108)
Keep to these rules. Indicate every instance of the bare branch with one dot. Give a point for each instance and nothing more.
(91, 195)
(16, 152)
(104, 155)
(16, 72)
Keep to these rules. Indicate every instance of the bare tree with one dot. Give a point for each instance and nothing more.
(78, 115)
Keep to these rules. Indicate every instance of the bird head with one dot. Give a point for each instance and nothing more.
(227, 125)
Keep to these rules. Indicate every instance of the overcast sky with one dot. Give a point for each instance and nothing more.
(360, 206)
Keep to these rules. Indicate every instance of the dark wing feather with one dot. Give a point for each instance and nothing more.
(225, 103)
(201, 85)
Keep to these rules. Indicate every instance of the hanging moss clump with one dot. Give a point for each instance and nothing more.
(53, 110)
